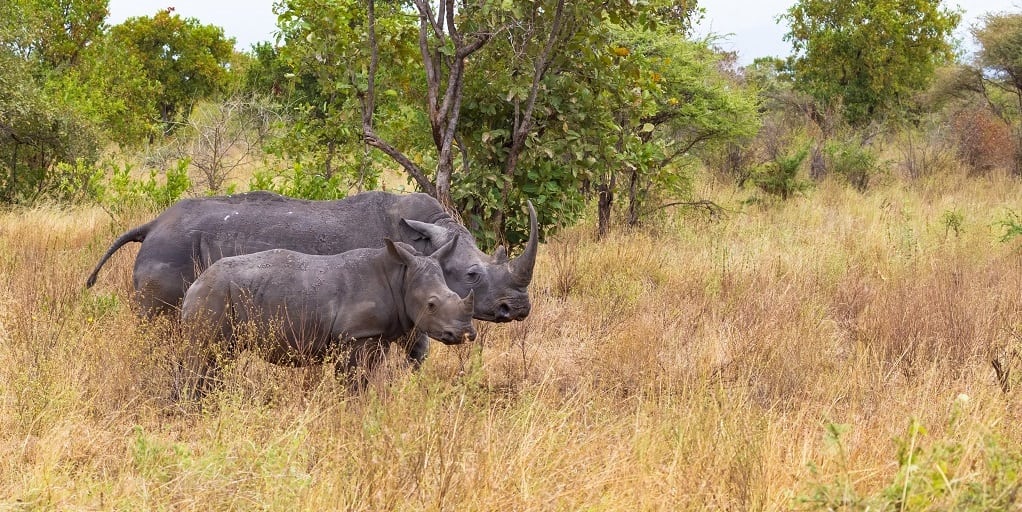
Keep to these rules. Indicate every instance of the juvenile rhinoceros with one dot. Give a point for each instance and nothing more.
(302, 308)
(194, 233)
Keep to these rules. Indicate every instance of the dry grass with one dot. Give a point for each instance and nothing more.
(697, 366)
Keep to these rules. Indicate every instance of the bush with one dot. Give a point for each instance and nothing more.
(927, 151)
(298, 182)
(954, 473)
(780, 177)
(125, 193)
(856, 163)
(983, 141)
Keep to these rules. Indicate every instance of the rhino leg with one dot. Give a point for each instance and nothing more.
(417, 348)
(210, 342)
(365, 356)
(197, 375)
(159, 289)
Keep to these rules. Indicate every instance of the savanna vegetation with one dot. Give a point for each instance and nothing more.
(793, 284)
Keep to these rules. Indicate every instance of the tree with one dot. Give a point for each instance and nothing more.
(45, 131)
(187, 59)
(321, 69)
(998, 77)
(38, 134)
(225, 135)
(518, 102)
(868, 56)
(108, 86)
(53, 33)
(679, 102)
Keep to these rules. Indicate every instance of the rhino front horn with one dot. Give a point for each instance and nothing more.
(521, 267)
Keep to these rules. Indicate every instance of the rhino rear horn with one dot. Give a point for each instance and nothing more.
(500, 255)
(468, 303)
(521, 266)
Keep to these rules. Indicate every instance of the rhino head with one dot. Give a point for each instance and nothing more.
(432, 306)
(500, 285)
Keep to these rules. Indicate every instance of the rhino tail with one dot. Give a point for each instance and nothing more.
(137, 234)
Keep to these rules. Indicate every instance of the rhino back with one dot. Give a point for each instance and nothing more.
(212, 228)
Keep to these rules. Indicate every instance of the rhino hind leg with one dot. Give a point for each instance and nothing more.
(197, 375)
(159, 293)
(210, 344)
(363, 359)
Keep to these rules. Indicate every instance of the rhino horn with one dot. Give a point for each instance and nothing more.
(500, 255)
(468, 303)
(521, 266)
(444, 251)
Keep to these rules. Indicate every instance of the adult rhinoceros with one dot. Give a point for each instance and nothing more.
(194, 233)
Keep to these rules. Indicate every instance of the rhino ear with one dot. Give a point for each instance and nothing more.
(425, 230)
(399, 252)
(444, 251)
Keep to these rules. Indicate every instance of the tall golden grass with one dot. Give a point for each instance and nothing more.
(832, 351)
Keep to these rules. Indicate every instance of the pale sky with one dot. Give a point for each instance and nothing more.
(750, 27)
(247, 21)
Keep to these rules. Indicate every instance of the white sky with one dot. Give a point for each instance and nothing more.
(247, 21)
(751, 27)
(748, 26)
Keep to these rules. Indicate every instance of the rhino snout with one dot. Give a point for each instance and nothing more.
(506, 312)
(456, 337)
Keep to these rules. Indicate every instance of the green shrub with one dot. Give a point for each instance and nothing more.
(859, 165)
(1012, 226)
(780, 177)
(941, 474)
(298, 182)
(124, 193)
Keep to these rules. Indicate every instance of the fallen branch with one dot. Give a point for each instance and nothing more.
(713, 210)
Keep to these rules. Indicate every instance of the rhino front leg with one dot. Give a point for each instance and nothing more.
(417, 348)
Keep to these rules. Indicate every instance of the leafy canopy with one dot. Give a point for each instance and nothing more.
(868, 55)
(187, 59)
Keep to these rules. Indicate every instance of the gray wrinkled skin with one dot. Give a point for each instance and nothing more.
(194, 233)
(304, 307)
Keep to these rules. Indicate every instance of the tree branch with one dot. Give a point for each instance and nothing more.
(368, 100)
(413, 170)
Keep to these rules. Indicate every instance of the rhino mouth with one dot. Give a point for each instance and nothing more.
(455, 337)
(506, 310)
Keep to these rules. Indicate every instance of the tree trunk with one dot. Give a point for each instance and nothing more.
(818, 165)
(443, 182)
(165, 117)
(328, 168)
(634, 202)
(605, 202)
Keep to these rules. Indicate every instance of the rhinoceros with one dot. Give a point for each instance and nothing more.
(194, 233)
(304, 307)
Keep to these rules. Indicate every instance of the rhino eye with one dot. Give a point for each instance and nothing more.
(472, 276)
(431, 306)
